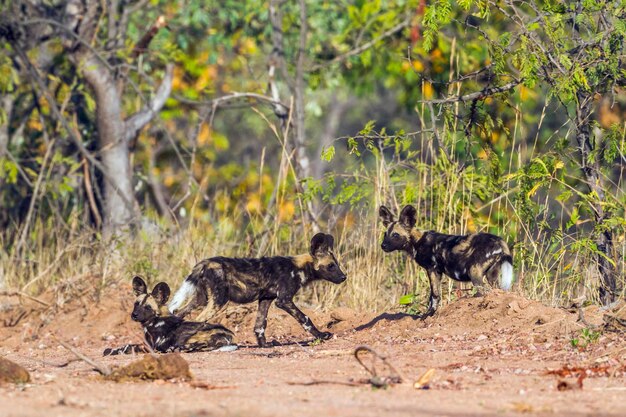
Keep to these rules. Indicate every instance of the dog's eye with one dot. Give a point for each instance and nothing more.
(331, 267)
(395, 235)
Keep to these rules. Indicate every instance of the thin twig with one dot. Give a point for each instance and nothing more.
(22, 294)
(388, 33)
(397, 378)
(487, 92)
(103, 369)
(324, 382)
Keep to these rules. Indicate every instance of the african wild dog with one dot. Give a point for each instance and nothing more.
(167, 333)
(481, 258)
(215, 281)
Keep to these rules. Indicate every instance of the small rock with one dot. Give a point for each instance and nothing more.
(481, 337)
(12, 372)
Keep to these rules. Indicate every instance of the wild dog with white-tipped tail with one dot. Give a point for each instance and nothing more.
(482, 258)
(166, 333)
(216, 281)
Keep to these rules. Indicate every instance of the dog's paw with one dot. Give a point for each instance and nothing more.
(428, 313)
(107, 352)
(325, 335)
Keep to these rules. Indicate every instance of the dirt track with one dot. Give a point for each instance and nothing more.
(490, 357)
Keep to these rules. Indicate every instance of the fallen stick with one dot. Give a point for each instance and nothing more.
(376, 379)
(325, 382)
(103, 369)
(22, 294)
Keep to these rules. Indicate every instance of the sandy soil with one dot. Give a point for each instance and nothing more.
(490, 355)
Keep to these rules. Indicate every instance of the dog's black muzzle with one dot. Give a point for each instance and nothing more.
(386, 247)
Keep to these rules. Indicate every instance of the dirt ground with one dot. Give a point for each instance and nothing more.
(497, 355)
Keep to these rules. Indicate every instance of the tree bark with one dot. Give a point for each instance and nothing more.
(591, 170)
(303, 165)
(6, 103)
(120, 207)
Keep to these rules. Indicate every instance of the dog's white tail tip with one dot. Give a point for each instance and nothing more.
(184, 293)
(506, 278)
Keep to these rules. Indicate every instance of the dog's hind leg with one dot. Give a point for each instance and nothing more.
(435, 293)
(208, 340)
(261, 321)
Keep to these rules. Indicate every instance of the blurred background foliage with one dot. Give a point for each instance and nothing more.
(215, 174)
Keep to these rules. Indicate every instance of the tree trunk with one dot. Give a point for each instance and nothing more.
(591, 170)
(303, 165)
(120, 207)
(6, 103)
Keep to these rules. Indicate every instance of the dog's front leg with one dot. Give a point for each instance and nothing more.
(303, 319)
(261, 322)
(435, 292)
(126, 349)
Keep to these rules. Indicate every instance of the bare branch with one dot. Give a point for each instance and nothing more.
(216, 102)
(137, 121)
(142, 45)
(397, 28)
(487, 92)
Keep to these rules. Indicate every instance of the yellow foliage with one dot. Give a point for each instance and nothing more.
(286, 211)
(436, 54)
(168, 176)
(35, 124)
(248, 46)
(254, 206)
(222, 202)
(169, 180)
(418, 66)
(427, 90)
(523, 93)
(204, 136)
(405, 66)
(178, 81)
(470, 225)
(206, 77)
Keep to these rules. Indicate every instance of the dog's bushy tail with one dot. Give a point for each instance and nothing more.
(183, 296)
(506, 273)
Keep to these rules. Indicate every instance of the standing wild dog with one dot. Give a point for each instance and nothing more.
(481, 258)
(167, 333)
(215, 281)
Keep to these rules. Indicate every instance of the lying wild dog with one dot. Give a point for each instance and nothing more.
(167, 333)
(215, 281)
(481, 258)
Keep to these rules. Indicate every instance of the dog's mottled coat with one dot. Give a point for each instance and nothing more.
(215, 281)
(482, 258)
(166, 333)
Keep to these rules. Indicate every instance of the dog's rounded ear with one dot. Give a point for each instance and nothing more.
(321, 243)
(408, 217)
(139, 286)
(161, 293)
(330, 242)
(385, 215)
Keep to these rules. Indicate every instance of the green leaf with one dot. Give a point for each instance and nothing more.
(407, 299)
(328, 153)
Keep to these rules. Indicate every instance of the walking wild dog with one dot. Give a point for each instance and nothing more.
(481, 258)
(215, 281)
(166, 333)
